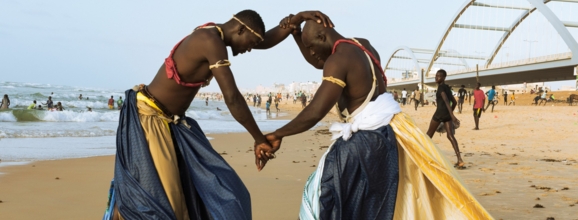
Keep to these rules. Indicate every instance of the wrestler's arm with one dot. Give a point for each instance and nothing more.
(273, 37)
(318, 64)
(215, 52)
(277, 34)
(325, 98)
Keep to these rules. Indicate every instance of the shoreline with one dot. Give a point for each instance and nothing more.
(520, 154)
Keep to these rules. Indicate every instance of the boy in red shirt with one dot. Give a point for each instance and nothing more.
(479, 100)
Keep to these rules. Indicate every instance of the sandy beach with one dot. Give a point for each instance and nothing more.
(523, 157)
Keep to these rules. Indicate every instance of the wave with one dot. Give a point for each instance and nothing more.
(63, 116)
(7, 117)
(208, 115)
(30, 133)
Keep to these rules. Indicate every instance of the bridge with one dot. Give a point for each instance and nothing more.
(497, 42)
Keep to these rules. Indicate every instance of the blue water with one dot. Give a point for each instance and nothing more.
(43, 135)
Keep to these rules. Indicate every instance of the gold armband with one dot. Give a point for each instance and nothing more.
(220, 63)
(335, 80)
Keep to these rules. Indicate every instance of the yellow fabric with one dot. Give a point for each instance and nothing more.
(334, 80)
(162, 149)
(429, 187)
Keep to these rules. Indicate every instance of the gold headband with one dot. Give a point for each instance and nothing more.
(248, 28)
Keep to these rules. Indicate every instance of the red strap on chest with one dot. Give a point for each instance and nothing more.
(375, 61)
(171, 67)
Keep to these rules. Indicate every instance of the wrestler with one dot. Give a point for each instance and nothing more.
(379, 162)
(165, 167)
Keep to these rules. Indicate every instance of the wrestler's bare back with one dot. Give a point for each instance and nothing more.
(359, 82)
(192, 67)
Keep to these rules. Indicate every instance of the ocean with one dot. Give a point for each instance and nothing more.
(31, 135)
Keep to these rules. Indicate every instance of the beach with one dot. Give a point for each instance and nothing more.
(523, 157)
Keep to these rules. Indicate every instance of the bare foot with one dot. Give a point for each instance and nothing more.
(460, 166)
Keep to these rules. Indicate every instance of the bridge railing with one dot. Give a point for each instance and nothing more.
(521, 62)
(394, 80)
(533, 60)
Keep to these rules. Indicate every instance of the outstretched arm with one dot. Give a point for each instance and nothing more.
(327, 95)
(277, 34)
(217, 53)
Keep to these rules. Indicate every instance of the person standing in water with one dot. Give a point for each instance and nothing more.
(49, 103)
(119, 102)
(5, 102)
(445, 113)
(111, 103)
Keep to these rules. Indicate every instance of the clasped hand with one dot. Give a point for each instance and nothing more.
(266, 151)
(294, 21)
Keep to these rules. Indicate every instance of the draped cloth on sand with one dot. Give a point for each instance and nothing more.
(428, 187)
(210, 187)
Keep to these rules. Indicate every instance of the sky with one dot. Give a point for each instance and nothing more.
(118, 44)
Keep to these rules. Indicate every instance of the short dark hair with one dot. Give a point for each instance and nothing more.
(252, 19)
(463, 86)
(443, 72)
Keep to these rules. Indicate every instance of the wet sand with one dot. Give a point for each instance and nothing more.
(521, 153)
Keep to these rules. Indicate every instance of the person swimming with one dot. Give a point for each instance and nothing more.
(59, 107)
(33, 105)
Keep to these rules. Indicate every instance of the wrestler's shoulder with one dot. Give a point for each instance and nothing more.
(204, 37)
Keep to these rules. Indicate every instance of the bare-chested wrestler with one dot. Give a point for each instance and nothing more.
(165, 166)
(364, 174)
